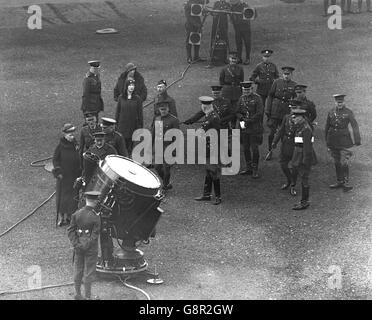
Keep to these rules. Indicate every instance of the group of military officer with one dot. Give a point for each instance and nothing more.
(290, 118)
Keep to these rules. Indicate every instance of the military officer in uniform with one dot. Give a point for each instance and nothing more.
(306, 104)
(264, 75)
(230, 78)
(164, 122)
(83, 234)
(193, 24)
(113, 137)
(92, 100)
(242, 31)
(164, 97)
(303, 155)
(86, 135)
(250, 111)
(339, 140)
(285, 134)
(98, 151)
(276, 106)
(213, 171)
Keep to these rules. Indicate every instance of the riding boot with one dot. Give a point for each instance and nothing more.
(207, 189)
(248, 170)
(255, 171)
(188, 52)
(346, 186)
(287, 174)
(304, 199)
(339, 176)
(88, 290)
(217, 191)
(292, 189)
(78, 295)
(196, 53)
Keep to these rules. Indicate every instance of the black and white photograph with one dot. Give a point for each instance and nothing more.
(198, 151)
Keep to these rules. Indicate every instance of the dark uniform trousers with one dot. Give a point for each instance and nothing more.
(303, 157)
(264, 75)
(339, 140)
(277, 105)
(242, 30)
(168, 122)
(83, 234)
(250, 110)
(230, 79)
(286, 133)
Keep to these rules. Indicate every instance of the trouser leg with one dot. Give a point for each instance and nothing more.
(166, 170)
(78, 271)
(247, 42)
(247, 149)
(207, 185)
(188, 45)
(286, 171)
(217, 188)
(196, 52)
(89, 272)
(239, 43)
(255, 154)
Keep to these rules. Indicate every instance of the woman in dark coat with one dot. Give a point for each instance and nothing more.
(129, 114)
(131, 73)
(67, 169)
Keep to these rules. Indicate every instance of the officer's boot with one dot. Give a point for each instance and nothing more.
(167, 185)
(287, 173)
(346, 186)
(196, 53)
(248, 169)
(78, 295)
(188, 52)
(88, 291)
(61, 220)
(304, 199)
(207, 190)
(339, 176)
(292, 189)
(217, 191)
(270, 142)
(255, 171)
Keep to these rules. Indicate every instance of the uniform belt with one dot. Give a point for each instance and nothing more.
(299, 145)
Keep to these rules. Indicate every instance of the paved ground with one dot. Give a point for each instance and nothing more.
(252, 246)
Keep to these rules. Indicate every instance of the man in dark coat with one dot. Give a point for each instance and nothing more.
(98, 151)
(213, 171)
(250, 111)
(306, 104)
(303, 155)
(83, 234)
(277, 103)
(113, 137)
(164, 98)
(193, 24)
(131, 72)
(86, 134)
(161, 124)
(242, 29)
(67, 169)
(230, 79)
(339, 140)
(264, 75)
(285, 134)
(92, 100)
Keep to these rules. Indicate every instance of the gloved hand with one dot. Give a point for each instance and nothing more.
(60, 176)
